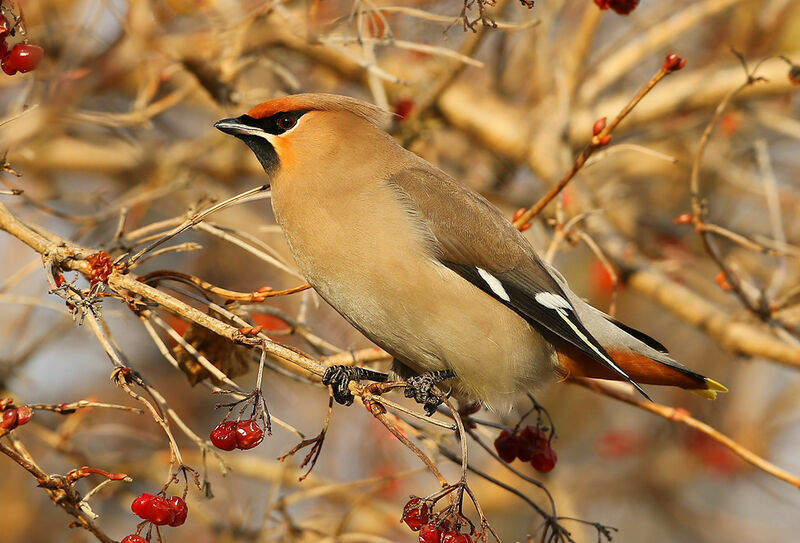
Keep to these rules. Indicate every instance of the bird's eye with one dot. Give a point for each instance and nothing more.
(285, 122)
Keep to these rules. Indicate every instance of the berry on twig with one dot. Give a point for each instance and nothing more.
(416, 514)
(673, 63)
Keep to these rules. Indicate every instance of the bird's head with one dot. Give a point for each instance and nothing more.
(319, 124)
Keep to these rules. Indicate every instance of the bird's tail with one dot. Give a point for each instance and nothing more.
(640, 368)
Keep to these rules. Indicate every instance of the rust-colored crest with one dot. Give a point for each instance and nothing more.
(320, 102)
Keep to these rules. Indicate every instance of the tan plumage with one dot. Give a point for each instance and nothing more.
(425, 267)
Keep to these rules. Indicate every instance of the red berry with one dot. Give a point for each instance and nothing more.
(3, 47)
(545, 460)
(534, 435)
(23, 57)
(455, 537)
(531, 441)
(7, 66)
(5, 27)
(159, 511)
(415, 514)
(223, 436)
(139, 505)
(10, 417)
(24, 414)
(133, 538)
(248, 434)
(507, 446)
(430, 534)
(622, 7)
(180, 509)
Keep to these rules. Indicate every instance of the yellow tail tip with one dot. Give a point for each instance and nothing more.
(710, 393)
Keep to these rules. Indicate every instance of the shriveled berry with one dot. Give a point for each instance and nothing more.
(180, 510)
(430, 534)
(507, 446)
(159, 511)
(139, 505)
(101, 266)
(10, 417)
(248, 434)
(223, 436)
(545, 460)
(455, 537)
(133, 538)
(415, 513)
(23, 57)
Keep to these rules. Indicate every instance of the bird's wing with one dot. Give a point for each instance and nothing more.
(470, 236)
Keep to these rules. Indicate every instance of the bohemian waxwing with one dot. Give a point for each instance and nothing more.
(428, 269)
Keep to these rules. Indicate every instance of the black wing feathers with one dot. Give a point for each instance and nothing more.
(563, 321)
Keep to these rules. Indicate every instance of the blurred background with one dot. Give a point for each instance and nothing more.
(112, 133)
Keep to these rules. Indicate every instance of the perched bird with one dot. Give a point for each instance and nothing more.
(428, 269)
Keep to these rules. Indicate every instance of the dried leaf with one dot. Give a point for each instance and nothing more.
(231, 359)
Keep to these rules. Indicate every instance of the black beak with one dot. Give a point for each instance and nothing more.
(254, 136)
(232, 126)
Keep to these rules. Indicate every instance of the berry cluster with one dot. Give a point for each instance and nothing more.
(23, 57)
(160, 510)
(622, 7)
(532, 445)
(14, 416)
(243, 434)
(417, 515)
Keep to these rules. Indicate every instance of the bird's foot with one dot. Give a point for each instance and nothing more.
(420, 387)
(339, 377)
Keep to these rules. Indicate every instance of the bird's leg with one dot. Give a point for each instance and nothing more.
(339, 377)
(419, 387)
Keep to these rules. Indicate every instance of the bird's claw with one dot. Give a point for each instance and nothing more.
(420, 387)
(339, 377)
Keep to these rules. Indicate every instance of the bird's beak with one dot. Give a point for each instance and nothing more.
(233, 126)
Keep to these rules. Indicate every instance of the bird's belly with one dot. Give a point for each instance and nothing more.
(431, 318)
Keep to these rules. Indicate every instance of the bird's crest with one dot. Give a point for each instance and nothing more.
(321, 102)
